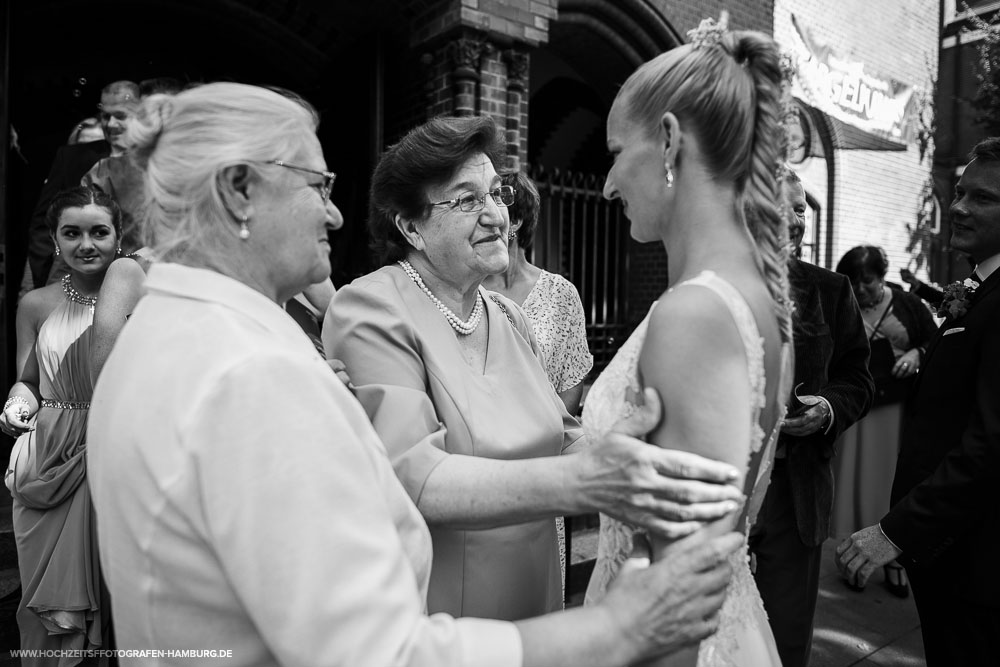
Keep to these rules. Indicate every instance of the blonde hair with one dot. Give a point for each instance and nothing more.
(729, 94)
(184, 142)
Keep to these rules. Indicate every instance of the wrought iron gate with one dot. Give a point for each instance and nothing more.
(584, 237)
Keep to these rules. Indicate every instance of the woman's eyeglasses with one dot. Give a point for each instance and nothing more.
(472, 202)
(324, 188)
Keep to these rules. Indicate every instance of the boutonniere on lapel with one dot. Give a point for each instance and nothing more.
(957, 298)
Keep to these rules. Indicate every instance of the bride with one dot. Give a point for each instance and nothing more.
(696, 139)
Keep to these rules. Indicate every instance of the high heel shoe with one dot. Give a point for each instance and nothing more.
(895, 580)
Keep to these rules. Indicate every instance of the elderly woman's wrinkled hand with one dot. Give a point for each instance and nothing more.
(670, 493)
(675, 601)
(340, 369)
(908, 364)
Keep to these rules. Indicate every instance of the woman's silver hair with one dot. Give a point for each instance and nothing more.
(728, 91)
(184, 142)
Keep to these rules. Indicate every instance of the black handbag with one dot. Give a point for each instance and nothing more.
(888, 389)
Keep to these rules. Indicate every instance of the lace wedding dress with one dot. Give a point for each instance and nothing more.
(744, 636)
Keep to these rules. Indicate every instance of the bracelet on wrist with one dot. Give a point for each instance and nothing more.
(13, 400)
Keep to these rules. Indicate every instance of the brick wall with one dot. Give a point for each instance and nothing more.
(523, 21)
(876, 193)
(685, 15)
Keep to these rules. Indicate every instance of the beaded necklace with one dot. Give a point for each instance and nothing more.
(462, 327)
(76, 297)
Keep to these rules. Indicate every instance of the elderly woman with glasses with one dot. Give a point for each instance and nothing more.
(246, 508)
(451, 377)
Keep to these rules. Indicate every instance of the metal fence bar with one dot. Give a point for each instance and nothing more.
(585, 239)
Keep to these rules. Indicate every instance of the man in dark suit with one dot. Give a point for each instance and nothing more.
(944, 525)
(835, 388)
(118, 104)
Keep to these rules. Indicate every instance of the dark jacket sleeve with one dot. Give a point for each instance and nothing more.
(850, 388)
(960, 493)
(931, 295)
(915, 318)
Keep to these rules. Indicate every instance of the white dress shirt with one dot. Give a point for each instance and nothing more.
(245, 504)
(986, 267)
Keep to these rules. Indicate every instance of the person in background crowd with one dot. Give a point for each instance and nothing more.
(118, 102)
(122, 286)
(944, 523)
(450, 377)
(64, 605)
(119, 176)
(552, 306)
(551, 303)
(833, 390)
(243, 499)
(695, 138)
(899, 326)
(86, 131)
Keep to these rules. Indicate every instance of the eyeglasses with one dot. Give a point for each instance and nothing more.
(324, 188)
(472, 202)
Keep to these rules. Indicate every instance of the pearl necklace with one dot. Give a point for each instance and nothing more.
(463, 328)
(76, 297)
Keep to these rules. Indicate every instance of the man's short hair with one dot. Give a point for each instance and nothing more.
(987, 150)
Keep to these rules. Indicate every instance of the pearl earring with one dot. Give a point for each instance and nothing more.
(244, 230)
(511, 236)
(670, 176)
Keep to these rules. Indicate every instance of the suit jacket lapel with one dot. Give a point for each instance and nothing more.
(984, 288)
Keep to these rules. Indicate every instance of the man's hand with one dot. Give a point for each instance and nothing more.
(811, 420)
(668, 492)
(864, 552)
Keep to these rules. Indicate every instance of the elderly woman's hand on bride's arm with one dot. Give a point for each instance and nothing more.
(670, 493)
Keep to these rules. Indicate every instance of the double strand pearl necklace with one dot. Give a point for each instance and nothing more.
(463, 328)
(76, 297)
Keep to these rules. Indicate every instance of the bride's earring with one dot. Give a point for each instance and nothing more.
(670, 176)
(244, 230)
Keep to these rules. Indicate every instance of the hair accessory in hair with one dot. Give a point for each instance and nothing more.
(709, 32)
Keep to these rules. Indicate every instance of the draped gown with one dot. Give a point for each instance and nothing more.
(744, 637)
(63, 603)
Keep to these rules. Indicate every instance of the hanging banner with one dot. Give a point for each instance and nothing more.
(842, 89)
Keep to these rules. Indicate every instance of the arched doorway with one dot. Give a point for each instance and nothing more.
(593, 47)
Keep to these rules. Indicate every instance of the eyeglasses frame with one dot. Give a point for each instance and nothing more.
(481, 199)
(329, 177)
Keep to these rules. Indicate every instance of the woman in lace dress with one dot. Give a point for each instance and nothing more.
(63, 601)
(695, 137)
(550, 301)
